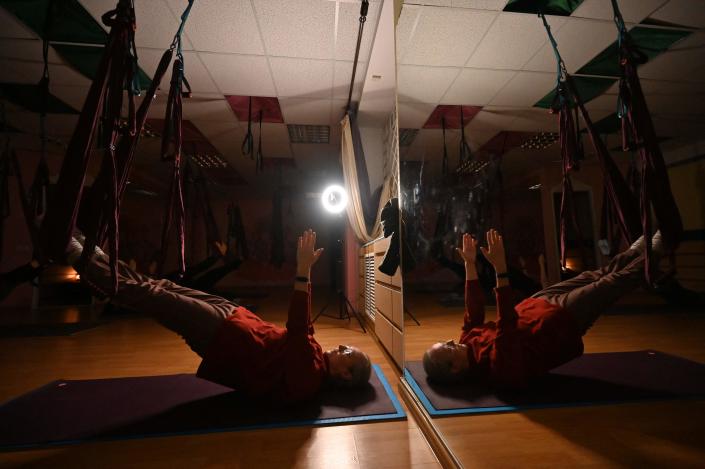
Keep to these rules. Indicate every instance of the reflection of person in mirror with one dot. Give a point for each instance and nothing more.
(239, 350)
(540, 333)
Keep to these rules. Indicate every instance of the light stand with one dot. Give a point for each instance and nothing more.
(345, 308)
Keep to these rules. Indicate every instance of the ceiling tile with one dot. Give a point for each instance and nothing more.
(512, 40)
(605, 102)
(579, 41)
(686, 104)
(538, 120)
(64, 75)
(297, 28)
(414, 115)
(682, 62)
(525, 89)
(476, 87)
(477, 138)
(74, 96)
(10, 72)
(302, 77)
(438, 3)
(676, 125)
(670, 88)
(424, 84)
(682, 12)
(213, 130)
(27, 50)
(341, 79)
(156, 24)
(196, 73)
(348, 24)
(496, 5)
(14, 28)
(306, 111)
(406, 25)
(245, 75)
(208, 107)
(447, 36)
(221, 26)
(493, 118)
(633, 11)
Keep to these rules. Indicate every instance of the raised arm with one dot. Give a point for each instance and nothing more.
(299, 319)
(494, 253)
(474, 298)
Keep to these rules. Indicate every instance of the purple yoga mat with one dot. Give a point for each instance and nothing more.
(64, 412)
(590, 379)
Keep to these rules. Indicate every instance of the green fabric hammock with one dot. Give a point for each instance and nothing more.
(85, 59)
(70, 21)
(29, 97)
(588, 87)
(650, 41)
(549, 7)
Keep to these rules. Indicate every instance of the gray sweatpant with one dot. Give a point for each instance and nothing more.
(589, 294)
(192, 314)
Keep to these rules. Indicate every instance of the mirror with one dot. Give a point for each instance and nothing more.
(479, 150)
(269, 83)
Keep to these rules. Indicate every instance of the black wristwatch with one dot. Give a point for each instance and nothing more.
(302, 279)
(503, 275)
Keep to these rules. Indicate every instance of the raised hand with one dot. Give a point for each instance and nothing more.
(468, 251)
(306, 253)
(494, 252)
(221, 247)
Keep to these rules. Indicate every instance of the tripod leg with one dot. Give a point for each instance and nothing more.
(320, 312)
(406, 310)
(355, 313)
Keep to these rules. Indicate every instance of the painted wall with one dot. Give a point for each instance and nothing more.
(141, 237)
(689, 191)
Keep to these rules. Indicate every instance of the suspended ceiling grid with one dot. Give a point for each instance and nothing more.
(472, 53)
(299, 51)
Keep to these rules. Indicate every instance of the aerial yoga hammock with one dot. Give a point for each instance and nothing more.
(34, 201)
(202, 276)
(571, 150)
(484, 183)
(98, 212)
(638, 133)
(655, 189)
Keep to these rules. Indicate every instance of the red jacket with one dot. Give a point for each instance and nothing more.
(527, 340)
(266, 361)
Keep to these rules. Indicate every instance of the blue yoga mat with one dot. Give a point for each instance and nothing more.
(592, 379)
(66, 412)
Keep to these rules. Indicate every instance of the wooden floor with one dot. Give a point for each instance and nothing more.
(654, 434)
(135, 346)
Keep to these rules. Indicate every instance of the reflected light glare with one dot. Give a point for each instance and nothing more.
(334, 199)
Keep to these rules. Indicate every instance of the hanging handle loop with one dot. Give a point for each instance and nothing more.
(248, 141)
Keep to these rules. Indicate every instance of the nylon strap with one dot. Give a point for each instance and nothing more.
(464, 152)
(259, 161)
(561, 70)
(445, 148)
(247, 143)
